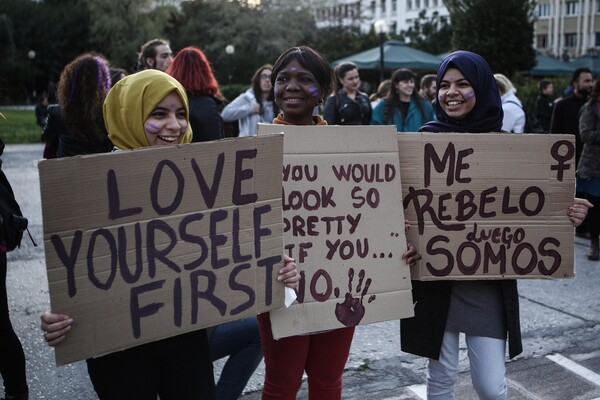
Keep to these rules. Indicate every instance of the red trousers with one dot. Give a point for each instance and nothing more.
(322, 355)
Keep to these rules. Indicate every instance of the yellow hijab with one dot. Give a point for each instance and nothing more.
(130, 102)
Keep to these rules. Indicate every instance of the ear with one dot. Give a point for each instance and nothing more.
(150, 61)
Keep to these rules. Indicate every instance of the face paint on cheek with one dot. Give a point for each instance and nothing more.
(151, 128)
(470, 95)
(314, 91)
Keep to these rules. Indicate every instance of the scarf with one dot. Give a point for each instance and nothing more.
(487, 114)
(130, 102)
(317, 119)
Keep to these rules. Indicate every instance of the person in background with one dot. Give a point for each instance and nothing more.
(588, 169)
(192, 69)
(155, 54)
(402, 106)
(301, 80)
(382, 90)
(12, 358)
(428, 87)
(565, 116)
(514, 115)
(486, 311)
(116, 74)
(254, 105)
(544, 104)
(75, 125)
(150, 108)
(347, 105)
(41, 110)
(239, 340)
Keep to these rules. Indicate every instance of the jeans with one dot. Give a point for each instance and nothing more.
(240, 340)
(12, 358)
(486, 359)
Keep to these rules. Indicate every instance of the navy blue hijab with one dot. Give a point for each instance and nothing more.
(487, 114)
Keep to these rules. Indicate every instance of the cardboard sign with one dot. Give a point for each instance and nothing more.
(489, 206)
(344, 226)
(146, 244)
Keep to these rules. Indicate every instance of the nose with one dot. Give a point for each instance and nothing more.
(173, 123)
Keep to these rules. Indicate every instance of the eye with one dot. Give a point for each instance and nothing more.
(181, 114)
(158, 114)
(444, 86)
(280, 78)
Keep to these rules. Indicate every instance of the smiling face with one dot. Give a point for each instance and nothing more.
(456, 96)
(297, 93)
(406, 87)
(167, 123)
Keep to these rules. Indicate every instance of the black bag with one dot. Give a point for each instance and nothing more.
(12, 222)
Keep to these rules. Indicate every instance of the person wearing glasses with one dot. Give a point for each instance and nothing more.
(254, 105)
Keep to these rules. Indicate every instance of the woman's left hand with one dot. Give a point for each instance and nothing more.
(578, 211)
(288, 274)
(411, 255)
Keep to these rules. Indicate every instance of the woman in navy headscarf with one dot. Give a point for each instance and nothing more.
(486, 311)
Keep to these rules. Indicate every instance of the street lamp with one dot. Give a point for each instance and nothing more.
(31, 56)
(230, 49)
(381, 28)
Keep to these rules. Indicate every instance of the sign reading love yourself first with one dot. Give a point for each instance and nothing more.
(146, 244)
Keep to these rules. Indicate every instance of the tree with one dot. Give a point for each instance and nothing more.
(432, 35)
(500, 31)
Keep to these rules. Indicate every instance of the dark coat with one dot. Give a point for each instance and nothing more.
(565, 119)
(342, 110)
(422, 335)
(61, 142)
(589, 126)
(205, 118)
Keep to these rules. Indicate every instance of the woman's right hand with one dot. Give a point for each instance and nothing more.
(55, 327)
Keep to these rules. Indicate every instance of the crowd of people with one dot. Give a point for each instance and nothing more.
(175, 99)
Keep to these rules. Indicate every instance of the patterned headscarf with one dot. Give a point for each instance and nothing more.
(130, 102)
(487, 114)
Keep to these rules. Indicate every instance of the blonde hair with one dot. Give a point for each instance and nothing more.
(504, 84)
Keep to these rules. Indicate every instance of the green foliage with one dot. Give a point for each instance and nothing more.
(230, 92)
(432, 35)
(18, 126)
(500, 31)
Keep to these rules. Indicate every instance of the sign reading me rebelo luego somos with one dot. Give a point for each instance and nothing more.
(344, 226)
(489, 206)
(146, 244)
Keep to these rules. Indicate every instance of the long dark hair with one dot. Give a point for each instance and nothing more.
(82, 88)
(392, 100)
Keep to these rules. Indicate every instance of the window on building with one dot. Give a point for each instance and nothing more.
(435, 3)
(543, 10)
(570, 40)
(572, 8)
(372, 7)
(597, 6)
(542, 41)
(597, 38)
(426, 3)
(409, 5)
(417, 4)
(395, 5)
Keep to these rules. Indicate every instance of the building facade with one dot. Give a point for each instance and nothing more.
(568, 28)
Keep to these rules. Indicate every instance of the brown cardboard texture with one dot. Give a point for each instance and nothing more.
(344, 226)
(489, 206)
(146, 244)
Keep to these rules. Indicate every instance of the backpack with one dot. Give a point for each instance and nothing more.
(12, 222)
(532, 124)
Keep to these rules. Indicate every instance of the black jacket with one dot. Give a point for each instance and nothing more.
(422, 335)
(565, 119)
(342, 110)
(205, 118)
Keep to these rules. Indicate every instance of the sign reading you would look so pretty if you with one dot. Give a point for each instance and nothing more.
(489, 206)
(146, 244)
(344, 225)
